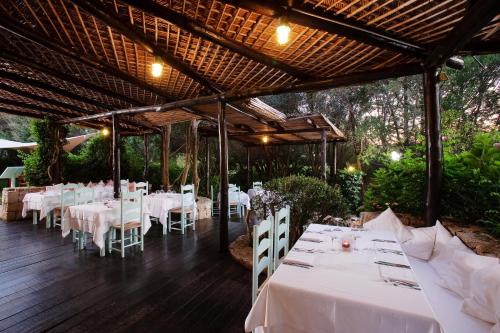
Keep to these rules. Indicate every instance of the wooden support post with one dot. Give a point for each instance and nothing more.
(116, 156)
(323, 155)
(165, 155)
(333, 171)
(224, 178)
(194, 159)
(248, 166)
(434, 147)
(207, 167)
(146, 157)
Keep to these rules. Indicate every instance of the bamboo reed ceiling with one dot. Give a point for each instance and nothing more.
(68, 58)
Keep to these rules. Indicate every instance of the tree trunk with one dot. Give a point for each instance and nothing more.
(187, 156)
(165, 155)
(194, 158)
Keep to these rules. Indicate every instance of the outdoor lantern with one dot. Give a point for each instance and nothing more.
(283, 30)
(395, 155)
(265, 139)
(105, 131)
(157, 67)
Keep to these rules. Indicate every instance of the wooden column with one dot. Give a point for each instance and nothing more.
(165, 155)
(146, 156)
(248, 167)
(224, 179)
(434, 147)
(116, 155)
(194, 159)
(333, 171)
(207, 167)
(323, 155)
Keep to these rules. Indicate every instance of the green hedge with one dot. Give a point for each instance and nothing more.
(471, 185)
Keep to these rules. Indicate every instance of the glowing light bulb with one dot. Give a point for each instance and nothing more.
(105, 131)
(350, 168)
(157, 67)
(395, 155)
(265, 139)
(283, 30)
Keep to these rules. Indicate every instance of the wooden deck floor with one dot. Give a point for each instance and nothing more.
(179, 284)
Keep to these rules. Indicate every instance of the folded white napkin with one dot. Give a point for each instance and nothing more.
(300, 258)
(312, 237)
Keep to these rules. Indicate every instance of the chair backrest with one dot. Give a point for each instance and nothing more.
(131, 207)
(262, 244)
(142, 186)
(68, 195)
(84, 195)
(231, 185)
(257, 185)
(187, 199)
(281, 233)
(124, 185)
(234, 194)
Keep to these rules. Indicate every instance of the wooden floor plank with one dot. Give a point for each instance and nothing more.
(181, 283)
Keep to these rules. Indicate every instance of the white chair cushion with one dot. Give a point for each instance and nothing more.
(462, 265)
(484, 299)
(388, 221)
(441, 260)
(442, 238)
(421, 244)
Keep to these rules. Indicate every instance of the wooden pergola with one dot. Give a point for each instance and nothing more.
(89, 62)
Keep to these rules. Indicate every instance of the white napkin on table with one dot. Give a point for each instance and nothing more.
(299, 258)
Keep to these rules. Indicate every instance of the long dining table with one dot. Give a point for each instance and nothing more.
(96, 219)
(321, 286)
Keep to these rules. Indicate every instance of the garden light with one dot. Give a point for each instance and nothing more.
(350, 168)
(395, 155)
(283, 30)
(157, 67)
(105, 131)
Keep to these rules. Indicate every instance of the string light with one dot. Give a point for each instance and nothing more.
(265, 139)
(283, 30)
(157, 67)
(105, 131)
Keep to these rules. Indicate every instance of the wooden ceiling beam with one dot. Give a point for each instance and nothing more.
(138, 37)
(46, 86)
(200, 30)
(477, 16)
(285, 131)
(350, 28)
(66, 77)
(320, 84)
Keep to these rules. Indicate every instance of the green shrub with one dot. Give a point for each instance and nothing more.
(471, 185)
(350, 186)
(310, 200)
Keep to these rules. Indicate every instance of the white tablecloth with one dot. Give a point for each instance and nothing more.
(96, 218)
(44, 202)
(344, 291)
(233, 199)
(160, 204)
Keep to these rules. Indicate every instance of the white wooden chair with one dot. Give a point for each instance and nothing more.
(67, 199)
(235, 206)
(131, 221)
(83, 195)
(187, 211)
(142, 186)
(257, 185)
(215, 202)
(281, 234)
(124, 186)
(262, 253)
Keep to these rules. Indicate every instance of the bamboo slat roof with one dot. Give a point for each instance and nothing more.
(67, 58)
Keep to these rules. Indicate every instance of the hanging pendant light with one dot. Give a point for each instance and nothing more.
(265, 139)
(157, 67)
(283, 30)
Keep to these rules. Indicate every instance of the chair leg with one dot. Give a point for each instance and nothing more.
(183, 222)
(169, 221)
(194, 222)
(48, 221)
(35, 217)
(122, 242)
(165, 229)
(142, 240)
(110, 239)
